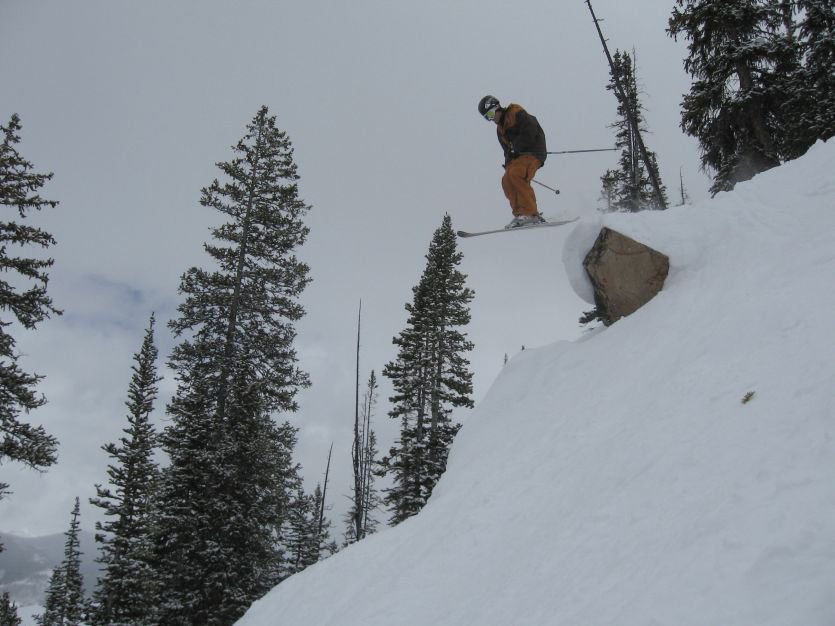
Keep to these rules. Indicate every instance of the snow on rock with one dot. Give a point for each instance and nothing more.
(577, 246)
(673, 469)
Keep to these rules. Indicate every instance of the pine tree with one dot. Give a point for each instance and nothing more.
(765, 73)
(289, 481)
(300, 540)
(609, 191)
(224, 493)
(19, 191)
(365, 499)
(306, 536)
(629, 187)
(817, 32)
(125, 592)
(430, 377)
(325, 545)
(733, 107)
(65, 604)
(8, 612)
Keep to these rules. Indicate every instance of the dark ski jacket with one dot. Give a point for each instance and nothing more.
(519, 133)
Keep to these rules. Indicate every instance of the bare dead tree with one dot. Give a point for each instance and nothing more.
(633, 121)
(356, 453)
(321, 511)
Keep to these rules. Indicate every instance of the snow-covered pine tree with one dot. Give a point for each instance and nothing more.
(26, 306)
(733, 107)
(224, 494)
(608, 191)
(300, 540)
(65, 603)
(792, 101)
(817, 32)
(629, 187)
(125, 593)
(290, 481)
(365, 498)
(430, 377)
(8, 612)
(325, 545)
(306, 534)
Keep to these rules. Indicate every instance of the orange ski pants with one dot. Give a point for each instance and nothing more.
(516, 184)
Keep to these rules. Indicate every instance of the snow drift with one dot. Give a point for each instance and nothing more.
(673, 469)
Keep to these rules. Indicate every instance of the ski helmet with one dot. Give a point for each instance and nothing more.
(487, 103)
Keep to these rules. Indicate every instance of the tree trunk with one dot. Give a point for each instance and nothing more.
(356, 453)
(229, 347)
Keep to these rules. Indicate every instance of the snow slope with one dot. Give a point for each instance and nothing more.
(620, 479)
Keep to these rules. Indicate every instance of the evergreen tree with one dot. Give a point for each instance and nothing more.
(325, 545)
(629, 187)
(430, 377)
(307, 532)
(365, 498)
(27, 306)
(125, 593)
(733, 107)
(609, 191)
(765, 73)
(817, 32)
(65, 604)
(8, 612)
(224, 495)
(791, 100)
(300, 536)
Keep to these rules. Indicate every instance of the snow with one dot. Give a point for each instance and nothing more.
(622, 478)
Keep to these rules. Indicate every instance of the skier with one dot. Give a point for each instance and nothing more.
(523, 142)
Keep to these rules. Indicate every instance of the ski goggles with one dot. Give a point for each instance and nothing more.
(490, 114)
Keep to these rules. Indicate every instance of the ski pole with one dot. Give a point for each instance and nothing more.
(547, 187)
(576, 151)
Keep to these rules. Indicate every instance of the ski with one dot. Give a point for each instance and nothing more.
(464, 233)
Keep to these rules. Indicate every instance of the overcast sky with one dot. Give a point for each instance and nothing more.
(132, 104)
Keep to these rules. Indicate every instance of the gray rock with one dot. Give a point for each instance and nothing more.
(625, 274)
